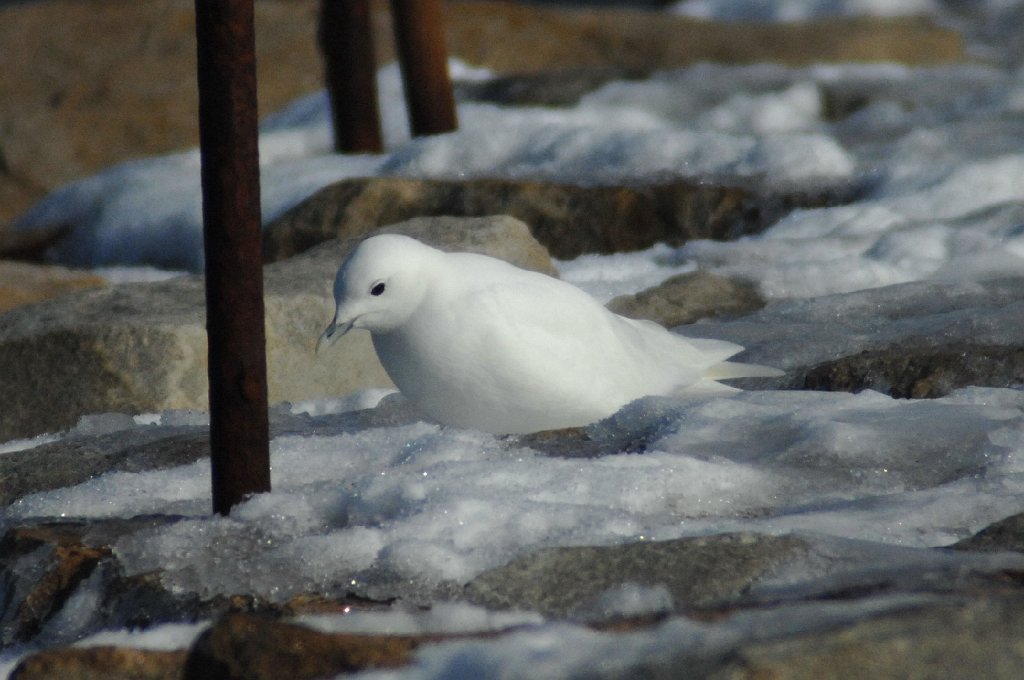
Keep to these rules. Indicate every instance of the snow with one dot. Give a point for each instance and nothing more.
(921, 256)
(417, 502)
(800, 10)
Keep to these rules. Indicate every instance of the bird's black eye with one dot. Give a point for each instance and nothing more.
(377, 288)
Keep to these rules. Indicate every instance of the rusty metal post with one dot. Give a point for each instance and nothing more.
(419, 33)
(239, 438)
(350, 69)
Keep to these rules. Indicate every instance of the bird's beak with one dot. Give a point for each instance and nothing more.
(332, 333)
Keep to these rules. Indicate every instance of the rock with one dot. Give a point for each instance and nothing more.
(1006, 534)
(920, 372)
(42, 568)
(911, 339)
(697, 572)
(101, 663)
(497, 235)
(554, 87)
(30, 245)
(977, 638)
(44, 563)
(687, 298)
(140, 348)
(72, 107)
(77, 459)
(568, 220)
(246, 647)
(22, 283)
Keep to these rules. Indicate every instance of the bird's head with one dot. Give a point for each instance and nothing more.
(379, 286)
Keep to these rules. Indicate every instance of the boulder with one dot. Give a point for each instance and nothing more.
(1006, 534)
(139, 348)
(696, 572)
(247, 647)
(569, 220)
(687, 298)
(921, 372)
(961, 639)
(101, 663)
(74, 460)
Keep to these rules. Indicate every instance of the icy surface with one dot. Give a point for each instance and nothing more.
(419, 503)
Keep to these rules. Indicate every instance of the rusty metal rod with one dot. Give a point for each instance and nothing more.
(345, 35)
(419, 33)
(239, 438)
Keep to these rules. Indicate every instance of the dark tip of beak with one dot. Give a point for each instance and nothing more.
(331, 335)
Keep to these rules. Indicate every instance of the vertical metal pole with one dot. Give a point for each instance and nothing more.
(346, 41)
(419, 32)
(231, 230)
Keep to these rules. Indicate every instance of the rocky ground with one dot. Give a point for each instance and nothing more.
(95, 82)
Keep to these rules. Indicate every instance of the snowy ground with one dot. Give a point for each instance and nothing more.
(939, 154)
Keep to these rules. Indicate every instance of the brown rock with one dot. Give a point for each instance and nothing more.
(22, 283)
(73, 106)
(569, 220)
(30, 245)
(66, 564)
(920, 372)
(246, 647)
(101, 663)
(686, 298)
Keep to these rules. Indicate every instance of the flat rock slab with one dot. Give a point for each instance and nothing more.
(919, 339)
(568, 220)
(963, 639)
(921, 372)
(687, 298)
(695, 572)
(139, 348)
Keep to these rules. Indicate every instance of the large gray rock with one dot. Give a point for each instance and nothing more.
(918, 339)
(951, 639)
(569, 220)
(917, 372)
(687, 298)
(142, 347)
(695, 572)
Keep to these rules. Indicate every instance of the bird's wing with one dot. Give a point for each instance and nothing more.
(542, 331)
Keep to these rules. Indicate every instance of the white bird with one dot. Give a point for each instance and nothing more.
(475, 342)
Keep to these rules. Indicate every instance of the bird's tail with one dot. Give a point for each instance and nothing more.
(735, 369)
